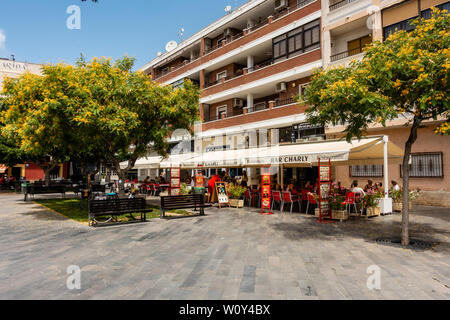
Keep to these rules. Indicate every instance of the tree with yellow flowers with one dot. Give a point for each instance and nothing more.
(407, 75)
(99, 111)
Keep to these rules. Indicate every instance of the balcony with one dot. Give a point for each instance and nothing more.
(257, 107)
(346, 54)
(278, 20)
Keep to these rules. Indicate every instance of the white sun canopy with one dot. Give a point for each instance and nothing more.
(364, 151)
(358, 152)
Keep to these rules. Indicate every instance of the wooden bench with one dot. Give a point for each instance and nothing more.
(117, 207)
(33, 190)
(192, 201)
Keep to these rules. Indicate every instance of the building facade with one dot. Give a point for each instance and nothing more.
(253, 64)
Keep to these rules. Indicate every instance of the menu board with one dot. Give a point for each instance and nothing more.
(266, 191)
(175, 181)
(199, 179)
(325, 190)
(324, 173)
(222, 194)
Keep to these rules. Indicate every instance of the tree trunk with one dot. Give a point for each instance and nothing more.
(405, 198)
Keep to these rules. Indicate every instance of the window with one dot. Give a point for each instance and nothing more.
(285, 134)
(426, 165)
(371, 170)
(301, 91)
(356, 46)
(221, 75)
(306, 130)
(297, 41)
(222, 110)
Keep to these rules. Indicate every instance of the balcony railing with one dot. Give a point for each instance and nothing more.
(340, 3)
(174, 68)
(346, 54)
(260, 106)
(239, 35)
(284, 102)
(238, 73)
(261, 65)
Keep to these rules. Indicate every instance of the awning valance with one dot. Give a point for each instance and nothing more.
(358, 152)
(3, 168)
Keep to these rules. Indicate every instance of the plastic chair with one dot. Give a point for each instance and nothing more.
(350, 200)
(276, 198)
(288, 198)
(312, 201)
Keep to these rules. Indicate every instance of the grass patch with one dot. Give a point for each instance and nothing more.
(76, 209)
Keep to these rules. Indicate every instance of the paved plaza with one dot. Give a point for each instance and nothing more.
(227, 254)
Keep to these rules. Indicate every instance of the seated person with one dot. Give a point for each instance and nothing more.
(395, 186)
(147, 180)
(357, 190)
(369, 186)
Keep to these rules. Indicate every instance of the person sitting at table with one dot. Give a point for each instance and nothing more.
(147, 180)
(244, 180)
(355, 189)
(369, 186)
(395, 186)
(162, 180)
(308, 185)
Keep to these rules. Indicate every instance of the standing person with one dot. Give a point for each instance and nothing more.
(212, 182)
(244, 181)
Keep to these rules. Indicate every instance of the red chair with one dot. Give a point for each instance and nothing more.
(255, 196)
(350, 200)
(248, 197)
(312, 201)
(276, 198)
(287, 197)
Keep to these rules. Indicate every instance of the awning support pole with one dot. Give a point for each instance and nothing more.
(386, 202)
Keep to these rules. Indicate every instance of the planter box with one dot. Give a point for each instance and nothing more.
(373, 212)
(398, 206)
(317, 212)
(339, 215)
(236, 203)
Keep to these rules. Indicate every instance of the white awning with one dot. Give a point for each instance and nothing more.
(364, 151)
(358, 152)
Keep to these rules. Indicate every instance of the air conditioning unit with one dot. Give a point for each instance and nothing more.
(281, 87)
(281, 4)
(238, 103)
(227, 32)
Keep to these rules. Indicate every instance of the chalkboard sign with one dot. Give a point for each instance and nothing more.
(222, 194)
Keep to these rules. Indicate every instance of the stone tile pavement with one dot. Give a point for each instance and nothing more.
(228, 254)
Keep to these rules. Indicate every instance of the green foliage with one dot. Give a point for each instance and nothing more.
(406, 75)
(94, 110)
(236, 191)
(372, 198)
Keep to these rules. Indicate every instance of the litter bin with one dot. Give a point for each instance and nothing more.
(24, 186)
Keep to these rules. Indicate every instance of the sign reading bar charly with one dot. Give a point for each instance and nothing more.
(12, 66)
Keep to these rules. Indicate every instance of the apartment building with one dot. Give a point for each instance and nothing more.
(253, 63)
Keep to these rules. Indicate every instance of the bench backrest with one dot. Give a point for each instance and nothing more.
(185, 201)
(44, 189)
(117, 205)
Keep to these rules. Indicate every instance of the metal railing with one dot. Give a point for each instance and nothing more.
(284, 102)
(258, 107)
(346, 54)
(335, 5)
(238, 73)
(261, 65)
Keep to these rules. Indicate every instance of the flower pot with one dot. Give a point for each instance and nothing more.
(236, 203)
(398, 206)
(317, 212)
(339, 215)
(373, 212)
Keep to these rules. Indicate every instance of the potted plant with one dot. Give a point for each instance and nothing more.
(338, 210)
(397, 197)
(371, 201)
(235, 193)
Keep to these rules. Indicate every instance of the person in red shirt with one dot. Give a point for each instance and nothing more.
(213, 180)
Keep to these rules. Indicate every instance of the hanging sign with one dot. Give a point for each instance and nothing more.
(266, 192)
(222, 194)
(175, 181)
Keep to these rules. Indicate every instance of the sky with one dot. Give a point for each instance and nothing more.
(36, 30)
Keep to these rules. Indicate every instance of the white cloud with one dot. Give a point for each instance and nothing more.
(2, 40)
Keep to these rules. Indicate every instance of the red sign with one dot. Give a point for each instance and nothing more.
(266, 192)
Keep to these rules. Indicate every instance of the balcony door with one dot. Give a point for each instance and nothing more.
(356, 46)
